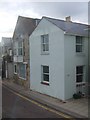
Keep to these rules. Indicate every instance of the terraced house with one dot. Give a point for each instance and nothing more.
(59, 58)
(7, 57)
(23, 29)
(0, 61)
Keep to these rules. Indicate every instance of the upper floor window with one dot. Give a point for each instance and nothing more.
(15, 48)
(20, 48)
(45, 43)
(15, 52)
(79, 44)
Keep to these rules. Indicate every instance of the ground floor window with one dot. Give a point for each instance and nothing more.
(22, 70)
(15, 68)
(45, 74)
(79, 74)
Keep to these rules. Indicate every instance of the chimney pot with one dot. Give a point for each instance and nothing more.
(68, 19)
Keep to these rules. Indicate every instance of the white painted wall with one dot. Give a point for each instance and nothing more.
(62, 61)
(55, 60)
(71, 61)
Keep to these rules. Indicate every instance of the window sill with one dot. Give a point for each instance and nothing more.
(80, 84)
(20, 55)
(22, 78)
(15, 73)
(80, 54)
(44, 53)
(45, 83)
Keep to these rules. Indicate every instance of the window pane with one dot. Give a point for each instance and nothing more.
(20, 52)
(43, 45)
(20, 44)
(46, 38)
(79, 39)
(45, 69)
(22, 70)
(42, 38)
(46, 78)
(14, 51)
(47, 47)
(79, 70)
(78, 48)
(79, 78)
(15, 68)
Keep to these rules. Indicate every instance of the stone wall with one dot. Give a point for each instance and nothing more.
(25, 83)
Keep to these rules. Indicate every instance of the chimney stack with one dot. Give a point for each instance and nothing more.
(68, 19)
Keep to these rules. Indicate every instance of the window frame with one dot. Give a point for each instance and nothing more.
(80, 44)
(45, 44)
(25, 72)
(15, 72)
(15, 48)
(20, 48)
(80, 74)
(15, 52)
(42, 75)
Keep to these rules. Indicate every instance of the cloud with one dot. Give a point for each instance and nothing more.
(62, 9)
(9, 11)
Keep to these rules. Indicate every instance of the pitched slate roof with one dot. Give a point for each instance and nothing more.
(6, 41)
(25, 25)
(70, 27)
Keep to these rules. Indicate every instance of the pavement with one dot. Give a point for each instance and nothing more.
(77, 108)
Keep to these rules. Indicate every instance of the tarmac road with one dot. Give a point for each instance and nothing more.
(15, 106)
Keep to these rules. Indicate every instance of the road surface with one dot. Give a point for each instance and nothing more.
(15, 106)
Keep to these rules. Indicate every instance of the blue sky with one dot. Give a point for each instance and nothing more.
(10, 10)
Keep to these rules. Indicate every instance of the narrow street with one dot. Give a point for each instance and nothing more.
(14, 106)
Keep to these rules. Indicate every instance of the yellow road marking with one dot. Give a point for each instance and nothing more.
(38, 104)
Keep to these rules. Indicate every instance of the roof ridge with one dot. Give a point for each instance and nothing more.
(64, 20)
(26, 17)
(53, 18)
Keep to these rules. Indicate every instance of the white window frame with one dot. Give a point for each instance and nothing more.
(42, 79)
(15, 48)
(25, 73)
(15, 51)
(44, 44)
(20, 47)
(15, 72)
(80, 74)
(10, 52)
(80, 44)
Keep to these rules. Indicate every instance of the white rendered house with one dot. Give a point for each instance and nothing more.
(59, 58)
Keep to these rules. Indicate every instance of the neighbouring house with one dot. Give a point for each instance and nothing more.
(59, 58)
(89, 48)
(7, 58)
(0, 61)
(24, 28)
(89, 60)
(0, 51)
